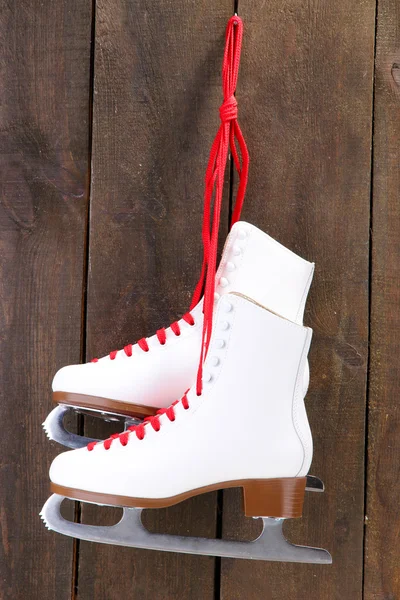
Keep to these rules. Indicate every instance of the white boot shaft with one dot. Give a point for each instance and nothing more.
(249, 422)
(257, 266)
(252, 264)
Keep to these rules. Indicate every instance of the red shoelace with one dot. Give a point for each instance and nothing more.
(140, 430)
(229, 136)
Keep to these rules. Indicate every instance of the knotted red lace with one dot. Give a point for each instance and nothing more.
(228, 135)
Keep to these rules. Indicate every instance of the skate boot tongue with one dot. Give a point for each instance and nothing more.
(228, 135)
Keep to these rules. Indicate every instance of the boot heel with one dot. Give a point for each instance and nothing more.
(281, 498)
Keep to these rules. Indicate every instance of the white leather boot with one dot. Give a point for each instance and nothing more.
(255, 366)
(149, 375)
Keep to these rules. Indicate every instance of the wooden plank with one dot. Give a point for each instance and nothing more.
(382, 581)
(157, 93)
(44, 90)
(305, 94)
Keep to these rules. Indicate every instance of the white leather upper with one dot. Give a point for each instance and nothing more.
(252, 264)
(249, 422)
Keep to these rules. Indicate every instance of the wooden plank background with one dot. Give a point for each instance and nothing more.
(44, 143)
(382, 549)
(108, 111)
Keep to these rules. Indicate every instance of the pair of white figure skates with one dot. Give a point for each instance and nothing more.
(247, 426)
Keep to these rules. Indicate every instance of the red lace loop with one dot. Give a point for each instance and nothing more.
(161, 335)
(228, 135)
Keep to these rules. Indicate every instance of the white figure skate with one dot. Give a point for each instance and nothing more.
(255, 365)
(142, 378)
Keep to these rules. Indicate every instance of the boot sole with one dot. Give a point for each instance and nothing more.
(279, 498)
(104, 405)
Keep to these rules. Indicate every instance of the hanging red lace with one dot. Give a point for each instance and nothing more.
(229, 136)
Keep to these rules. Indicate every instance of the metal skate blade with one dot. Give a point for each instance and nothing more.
(271, 545)
(107, 417)
(314, 484)
(55, 429)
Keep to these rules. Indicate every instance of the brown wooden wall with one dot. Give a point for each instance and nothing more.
(108, 110)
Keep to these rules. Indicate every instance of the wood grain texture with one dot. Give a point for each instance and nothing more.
(382, 575)
(305, 93)
(44, 91)
(157, 93)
